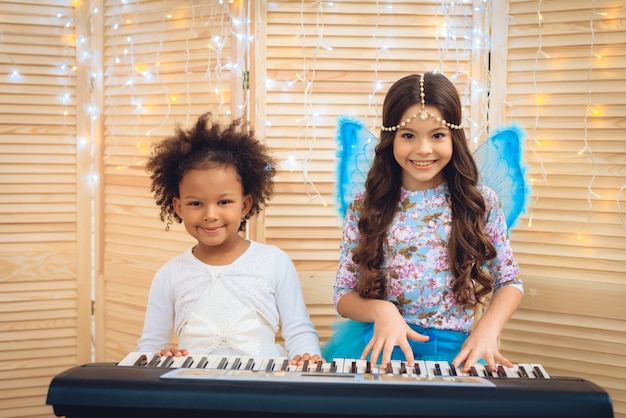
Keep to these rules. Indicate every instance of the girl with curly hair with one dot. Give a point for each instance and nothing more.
(226, 294)
(424, 245)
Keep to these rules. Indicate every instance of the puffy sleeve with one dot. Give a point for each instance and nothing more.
(348, 274)
(503, 268)
(297, 328)
(159, 322)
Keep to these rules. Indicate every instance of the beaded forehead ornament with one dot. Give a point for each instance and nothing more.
(423, 114)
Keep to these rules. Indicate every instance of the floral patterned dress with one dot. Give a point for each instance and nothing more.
(417, 266)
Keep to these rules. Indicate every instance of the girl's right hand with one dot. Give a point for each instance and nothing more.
(390, 330)
(174, 352)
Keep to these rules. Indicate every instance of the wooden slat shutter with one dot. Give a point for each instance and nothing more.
(565, 66)
(44, 259)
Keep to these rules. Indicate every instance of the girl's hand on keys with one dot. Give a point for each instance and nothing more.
(298, 360)
(174, 352)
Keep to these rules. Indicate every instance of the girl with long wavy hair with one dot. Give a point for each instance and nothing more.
(424, 246)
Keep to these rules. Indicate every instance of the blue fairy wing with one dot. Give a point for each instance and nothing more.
(499, 161)
(355, 153)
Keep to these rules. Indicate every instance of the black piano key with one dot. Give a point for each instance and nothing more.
(236, 364)
(222, 364)
(538, 373)
(250, 364)
(368, 367)
(141, 361)
(353, 367)
(453, 370)
(155, 360)
(403, 368)
(488, 373)
(501, 371)
(418, 371)
(305, 366)
(318, 367)
(438, 370)
(167, 362)
(270, 365)
(286, 364)
(188, 362)
(473, 372)
(202, 363)
(389, 368)
(522, 372)
(333, 367)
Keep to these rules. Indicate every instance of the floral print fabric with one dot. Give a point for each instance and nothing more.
(416, 264)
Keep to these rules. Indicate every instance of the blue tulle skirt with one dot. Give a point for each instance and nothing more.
(350, 337)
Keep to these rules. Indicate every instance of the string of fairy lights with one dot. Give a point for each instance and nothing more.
(199, 31)
(453, 42)
(590, 110)
(536, 194)
(153, 86)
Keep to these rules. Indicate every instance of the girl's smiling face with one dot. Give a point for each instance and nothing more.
(422, 148)
(211, 204)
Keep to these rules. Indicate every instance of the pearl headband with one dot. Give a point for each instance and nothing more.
(423, 114)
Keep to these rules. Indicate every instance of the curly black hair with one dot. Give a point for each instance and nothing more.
(206, 145)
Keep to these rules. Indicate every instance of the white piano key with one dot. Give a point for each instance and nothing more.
(247, 363)
(541, 370)
(310, 367)
(256, 363)
(213, 360)
(163, 361)
(347, 365)
(395, 366)
(317, 367)
(326, 367)
(281, 363)
(508, 371)
(419, 369)
(178, 361)
(221, 362)
(307, 367)
(132, 357)
(278, 363)
(375, 369)
(526, 371)
(459, 371)
(339, 365)
(234, 362)
(430, 368)
(488, 373)
(514, 371)
(265, 363)
(445, 367)
(479, 369)
(361, 365)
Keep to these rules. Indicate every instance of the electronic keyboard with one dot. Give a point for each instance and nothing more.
(144, 384)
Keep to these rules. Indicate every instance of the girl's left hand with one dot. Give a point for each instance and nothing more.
(483, 340)
(298, 360)
(482, 343)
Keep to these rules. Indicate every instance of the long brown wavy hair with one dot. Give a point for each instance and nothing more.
(468, 247)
